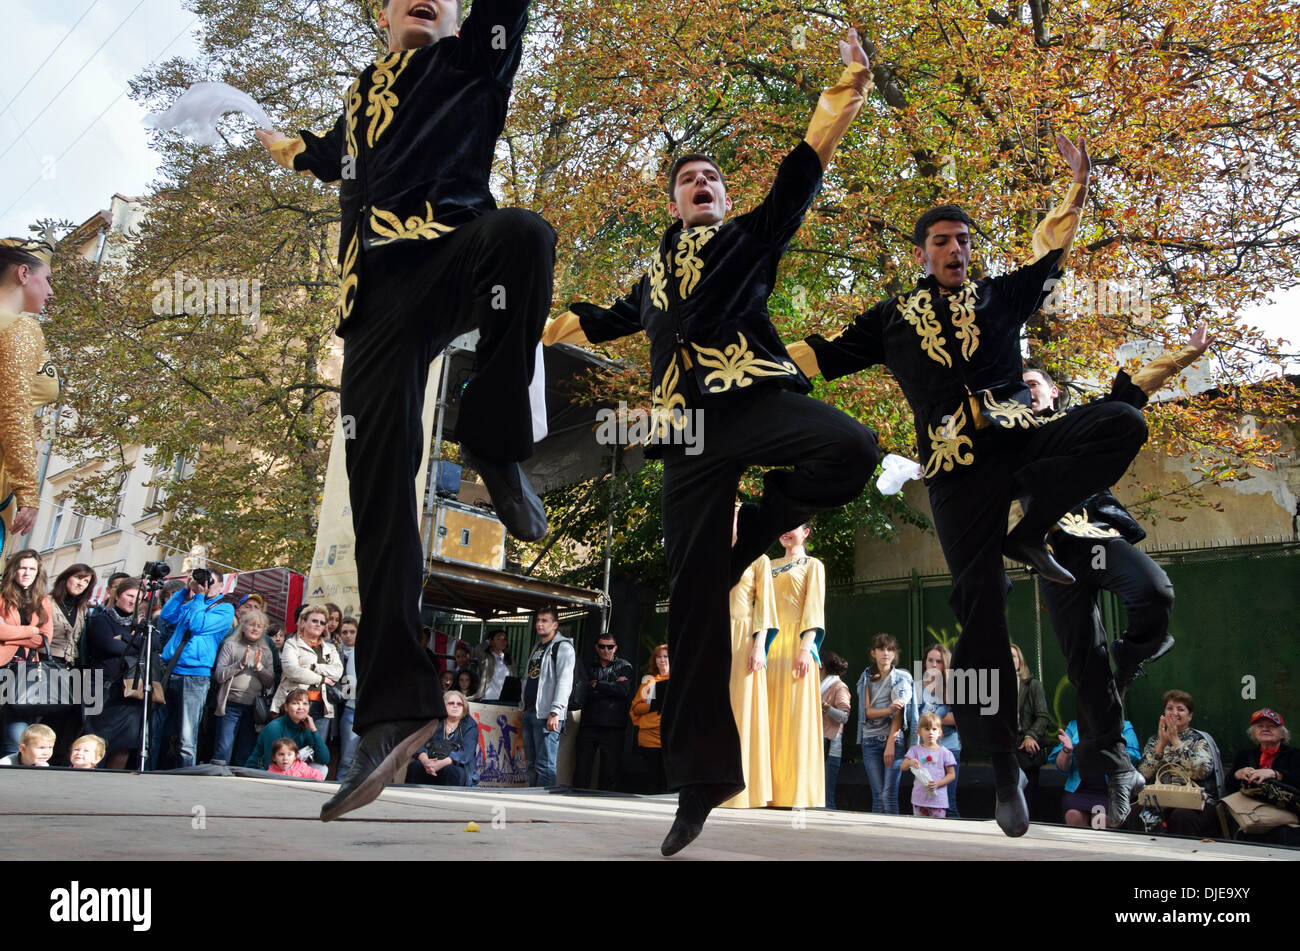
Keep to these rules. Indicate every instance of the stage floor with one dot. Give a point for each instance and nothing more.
(66, 816)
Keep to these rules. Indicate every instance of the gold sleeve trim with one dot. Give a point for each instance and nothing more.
(566, 328)
(1158, 372)
(1058, 228)
(805, 358)
(836, 110)
(22, 346)
(286, 150)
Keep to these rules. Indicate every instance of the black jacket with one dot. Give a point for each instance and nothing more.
(413, 148)
(956, 358)
(607, 705)
(703, 302)
(1286, 763)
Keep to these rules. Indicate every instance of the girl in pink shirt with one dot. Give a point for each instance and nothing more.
(285, 762)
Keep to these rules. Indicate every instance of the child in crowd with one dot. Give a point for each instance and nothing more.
(285, 762)
(87, 751)
(930, 798)
(35, 747)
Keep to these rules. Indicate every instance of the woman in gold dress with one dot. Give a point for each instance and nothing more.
(753, 625)
(27, 380)
(793, 689)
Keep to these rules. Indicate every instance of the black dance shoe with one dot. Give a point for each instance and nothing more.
(1122, 794)
(694, 803)
(516, 504)
(1036, 557)
(381, 758)
(1130, 660)
(1012, 811)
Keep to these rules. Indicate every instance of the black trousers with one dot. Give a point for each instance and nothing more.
(608, 740)
(1056, 466)
(1148, 597)
(830, 456)
(493, 274)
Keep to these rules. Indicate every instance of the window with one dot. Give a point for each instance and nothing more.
(117, 505)
(78, 526)
(55, 522)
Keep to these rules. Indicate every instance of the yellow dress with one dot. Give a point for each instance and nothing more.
(794, 704)
(753, 611)
(27, 382)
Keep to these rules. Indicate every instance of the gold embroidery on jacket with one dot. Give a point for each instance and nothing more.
(946, 444)
(392, 228)
(963, 319)
(687, 257)
(1080, 527)
(918, 310)
(348, 280)
(382, 98)
(737, 366)
(659, 283)
(1009, 413)
(353, 100)
(667, 406)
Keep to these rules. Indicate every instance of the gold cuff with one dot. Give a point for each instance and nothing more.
(805, 358)
(566, 328)
(836, 109)
(285, 150)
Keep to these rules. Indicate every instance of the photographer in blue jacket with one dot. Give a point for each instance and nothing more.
(200, 621)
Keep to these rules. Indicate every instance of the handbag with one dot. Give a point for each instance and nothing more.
(1163, 795)
(133, 689)
(261, 710)
(1254, 816)
(37, 684)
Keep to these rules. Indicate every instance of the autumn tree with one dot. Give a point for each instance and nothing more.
(1191, 111)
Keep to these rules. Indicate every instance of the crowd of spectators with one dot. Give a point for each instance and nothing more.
(227, 681)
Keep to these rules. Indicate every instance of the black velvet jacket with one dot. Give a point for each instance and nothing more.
(1102, 515)
(703, 303)
(956, 358)
(413, 148)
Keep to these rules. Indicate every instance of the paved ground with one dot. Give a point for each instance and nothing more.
(64, 815)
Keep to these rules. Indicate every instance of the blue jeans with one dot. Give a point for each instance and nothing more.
(884, 780)
(186, 695)
(235, 736)
(347, 739)
(13, 732)
(541, 747)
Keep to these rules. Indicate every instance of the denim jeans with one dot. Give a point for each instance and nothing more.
(235, 736)
(541, 748)
(884, 780)
(186, 695)
(832, 773)
(347, 739)
(13, 732)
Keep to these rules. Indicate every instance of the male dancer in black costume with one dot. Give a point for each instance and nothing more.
(425, 255)
(1096, 543)
(714, 351)
(954, 347)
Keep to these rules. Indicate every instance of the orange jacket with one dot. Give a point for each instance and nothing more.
(14, 634)
(647, 722)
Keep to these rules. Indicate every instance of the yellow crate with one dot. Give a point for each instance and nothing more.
(468, 535)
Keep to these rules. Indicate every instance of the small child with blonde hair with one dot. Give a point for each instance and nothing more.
(87, 751)
(285, 762)
(35, 747)
(933, 766)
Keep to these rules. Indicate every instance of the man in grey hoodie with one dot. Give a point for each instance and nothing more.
(547, 684)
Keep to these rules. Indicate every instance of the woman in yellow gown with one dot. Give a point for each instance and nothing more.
(753, 624)
(793, 688)
(27, 380)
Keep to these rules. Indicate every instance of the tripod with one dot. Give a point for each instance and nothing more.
(151, 581)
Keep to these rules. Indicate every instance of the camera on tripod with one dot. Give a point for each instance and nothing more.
(154, 574)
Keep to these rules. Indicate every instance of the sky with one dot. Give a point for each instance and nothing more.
(72, 138)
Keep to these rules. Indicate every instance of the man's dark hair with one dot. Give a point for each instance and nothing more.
(555, 614)
(686, 160)
(935, 215)
(1036, 365)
